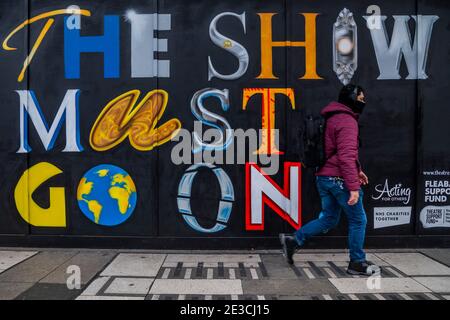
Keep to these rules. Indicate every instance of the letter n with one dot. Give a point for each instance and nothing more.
(261, 190)
(68, 112)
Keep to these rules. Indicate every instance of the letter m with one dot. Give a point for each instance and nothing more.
(68, 112)
(261, 190)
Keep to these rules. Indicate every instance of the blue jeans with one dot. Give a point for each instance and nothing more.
(334, 196)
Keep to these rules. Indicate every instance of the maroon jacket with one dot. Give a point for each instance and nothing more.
(341, 145)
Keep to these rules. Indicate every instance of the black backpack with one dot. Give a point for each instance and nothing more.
(313, 139)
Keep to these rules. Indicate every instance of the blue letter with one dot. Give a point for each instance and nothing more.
(68, 112)
(108, 44)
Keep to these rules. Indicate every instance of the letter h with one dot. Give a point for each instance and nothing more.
(108, 44)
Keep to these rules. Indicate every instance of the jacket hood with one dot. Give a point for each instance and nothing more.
(334, 107)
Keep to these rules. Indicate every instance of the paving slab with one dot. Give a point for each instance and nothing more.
(387, 285)
(108, 298)
(211, 258)
(436, 284)
(441, 255)
(334, 257)
(321, 264)
(236, 264)
(294, 297)
(277, 267)
(11, 258)
(300, 287)
(90, 264)
(129, 286)
(10, 291)
(202, 287)
(37, 267)
(415, 264)
(131, 275)
(49, 291)
(95, 286)
(135, 265)
(341, 264)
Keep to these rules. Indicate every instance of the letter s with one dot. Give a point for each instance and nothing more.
(233, 47)
(212, 119)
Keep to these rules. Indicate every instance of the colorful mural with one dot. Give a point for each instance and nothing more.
(172, 123)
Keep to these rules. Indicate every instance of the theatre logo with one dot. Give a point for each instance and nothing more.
(435, 217)
(388, 193)
(391, 216)
(436, 213)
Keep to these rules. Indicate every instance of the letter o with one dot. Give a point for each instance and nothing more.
(226, 202)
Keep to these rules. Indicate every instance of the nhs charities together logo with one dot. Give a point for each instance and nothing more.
(392, 215)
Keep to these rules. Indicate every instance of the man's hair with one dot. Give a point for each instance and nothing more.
(349, 93)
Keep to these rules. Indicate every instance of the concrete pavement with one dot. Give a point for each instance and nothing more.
(419, 274)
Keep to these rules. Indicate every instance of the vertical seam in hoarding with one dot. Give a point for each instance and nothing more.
(27, 75)
(417, 137)
(286, 57)
(157, 150)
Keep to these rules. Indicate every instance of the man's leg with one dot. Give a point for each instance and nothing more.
(322, 214)
(357, 221)
(328, 219)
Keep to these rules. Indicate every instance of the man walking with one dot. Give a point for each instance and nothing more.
(339, 182)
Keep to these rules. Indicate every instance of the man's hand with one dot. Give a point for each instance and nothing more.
(363, 178)
(354, 197)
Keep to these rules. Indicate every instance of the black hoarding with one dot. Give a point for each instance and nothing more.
(176, 123)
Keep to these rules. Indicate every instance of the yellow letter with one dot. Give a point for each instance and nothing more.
(42, 34)
(30, 211)
(122, 118)
(267, 45)
(268, 115)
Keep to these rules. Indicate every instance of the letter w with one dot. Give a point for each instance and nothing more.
(389, 56)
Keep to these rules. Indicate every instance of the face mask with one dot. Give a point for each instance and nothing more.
(358, 106)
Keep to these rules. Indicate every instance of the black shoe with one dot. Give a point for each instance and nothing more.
(365, 268)
(289, 246)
